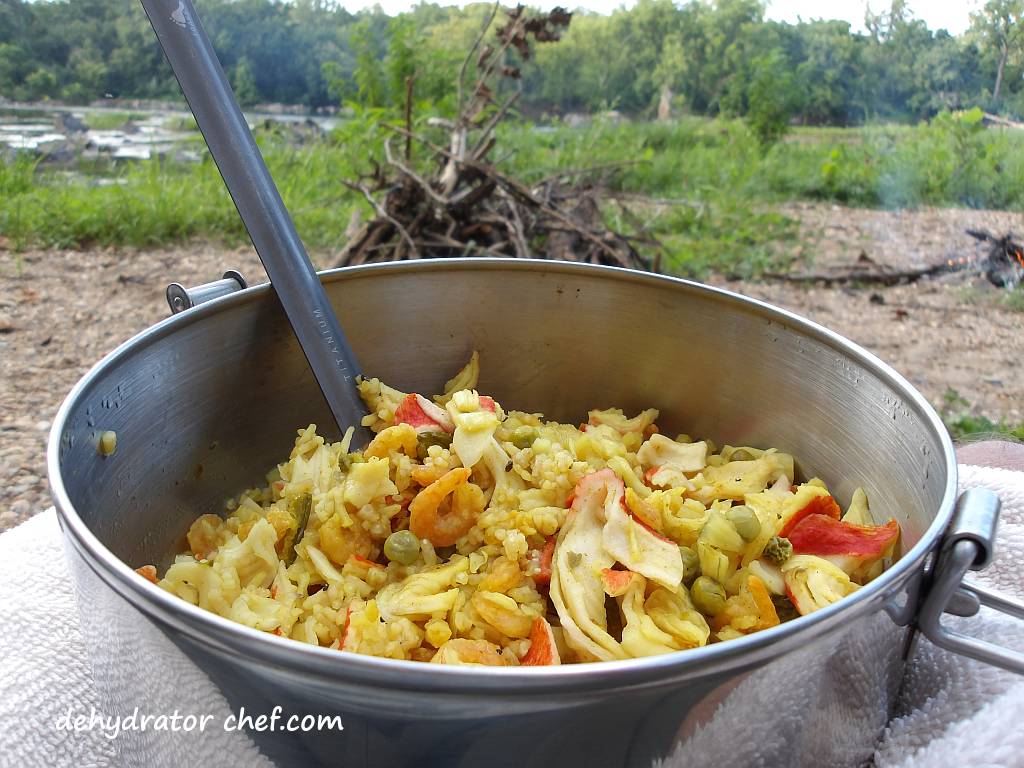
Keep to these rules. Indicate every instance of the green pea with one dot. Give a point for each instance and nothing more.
(691, 564)
(741, 454)
(745, 521)
(345, 461)
(402, 547)
(523, 437)
(708, 596)
(426, 439)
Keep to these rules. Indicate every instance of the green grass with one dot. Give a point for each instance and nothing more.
(724, 184)
(181, 124)
(966, 425)
(157, 202)
(110, 120)
(1011, 301)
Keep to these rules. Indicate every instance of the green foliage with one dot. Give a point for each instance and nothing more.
(369, 76)
(158, 202)
(243, 81)
(771, 98)
(716, 56)
(110, 120)
(964, 424)
(720, 186)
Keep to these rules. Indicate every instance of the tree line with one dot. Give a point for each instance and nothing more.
(703, 57)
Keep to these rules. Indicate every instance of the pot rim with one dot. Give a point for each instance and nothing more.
(211, 630)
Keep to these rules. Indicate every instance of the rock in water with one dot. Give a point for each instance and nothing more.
(67, 123)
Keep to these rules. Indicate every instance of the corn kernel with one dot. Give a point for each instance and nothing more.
(438, 632)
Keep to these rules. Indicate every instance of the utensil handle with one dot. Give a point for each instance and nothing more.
(259, 204)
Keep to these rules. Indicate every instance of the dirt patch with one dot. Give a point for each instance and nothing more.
(61, 311)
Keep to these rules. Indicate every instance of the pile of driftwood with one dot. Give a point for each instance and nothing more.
(1001, 263)
(464, 205)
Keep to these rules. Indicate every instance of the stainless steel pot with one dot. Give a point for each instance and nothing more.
(204, 402)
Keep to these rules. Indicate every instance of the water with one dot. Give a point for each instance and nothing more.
(149, 134)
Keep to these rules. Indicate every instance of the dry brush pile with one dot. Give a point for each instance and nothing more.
(465, 205)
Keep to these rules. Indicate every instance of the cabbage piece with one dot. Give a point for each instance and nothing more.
(813, 582)
(641, 636)
(507, 485)
(474, 426)
(422, 595)
(367, 481)
(576, 588)
(255, 560)
(770, 574)
(624, 470)
(660, 451)
(736, 479)
(202, 585)
(616, 419)
(381, 401)
(257, 609)
(466, 378)
(638, 547)
(682, 519)
(322, 564)
(858, 513)
(674, 613)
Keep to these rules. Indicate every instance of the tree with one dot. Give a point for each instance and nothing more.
(244, 83)
(772, 98)
(999, 23)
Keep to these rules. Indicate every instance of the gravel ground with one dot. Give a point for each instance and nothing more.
(60, 311)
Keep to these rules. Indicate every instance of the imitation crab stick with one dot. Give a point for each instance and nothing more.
(822, 504)
(851, 547)
(423, 415)
(543, 651)
(546, 557)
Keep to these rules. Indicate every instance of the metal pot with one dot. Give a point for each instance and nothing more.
(204, 402)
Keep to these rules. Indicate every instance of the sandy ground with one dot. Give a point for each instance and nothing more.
(60, 311)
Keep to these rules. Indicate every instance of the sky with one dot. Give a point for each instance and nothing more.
(952, 15)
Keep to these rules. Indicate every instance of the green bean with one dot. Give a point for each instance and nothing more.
(299, 507)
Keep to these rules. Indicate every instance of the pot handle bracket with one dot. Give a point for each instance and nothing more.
(968, 545)
(180, 298)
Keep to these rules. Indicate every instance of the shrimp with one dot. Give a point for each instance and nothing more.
(442, 528)
(204, 536)
(401, 437)
(504, 575)
(339, 543)
(503, 613)
(465, 651)
(428, 473)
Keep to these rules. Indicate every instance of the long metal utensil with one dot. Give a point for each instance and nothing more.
(260, 206)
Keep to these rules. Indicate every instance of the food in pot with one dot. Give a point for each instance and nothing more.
(463, 534)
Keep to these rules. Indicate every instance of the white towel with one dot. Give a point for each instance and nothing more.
(953, 711)
(958, 711)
